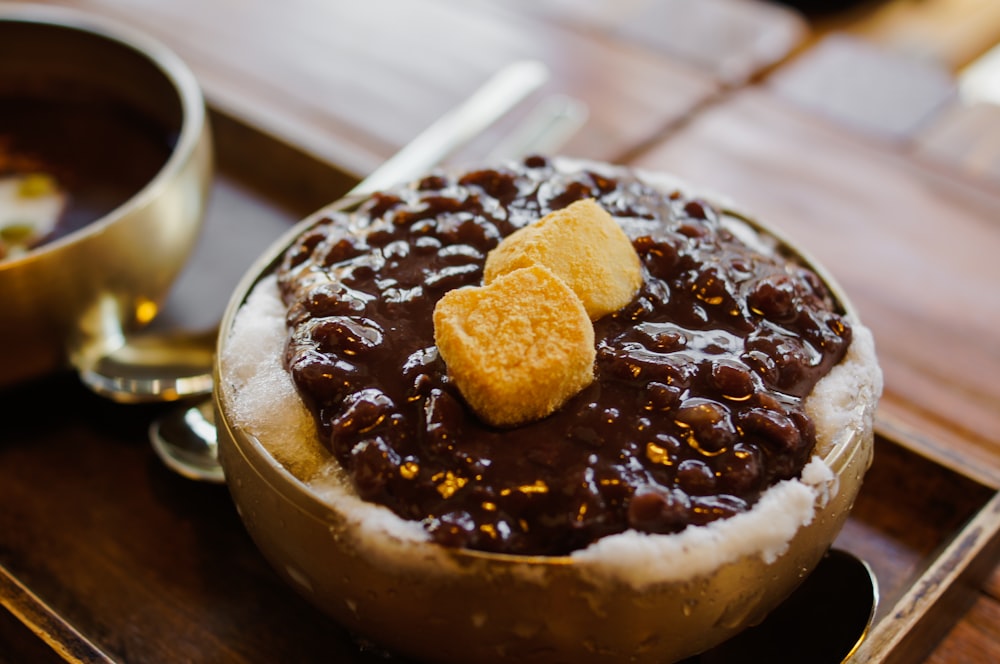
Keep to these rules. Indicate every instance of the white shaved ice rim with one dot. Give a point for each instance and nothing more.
(264, 403)
(841, 404)
(639, 558)
(845, 399)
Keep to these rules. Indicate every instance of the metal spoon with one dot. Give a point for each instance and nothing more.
(824, 621)
(155, 367)
(185, 439)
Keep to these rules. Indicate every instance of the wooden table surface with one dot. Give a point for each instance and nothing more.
(846, 130)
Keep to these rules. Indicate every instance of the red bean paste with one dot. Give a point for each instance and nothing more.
(696, 407)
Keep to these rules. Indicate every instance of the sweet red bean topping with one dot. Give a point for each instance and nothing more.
(696, 407)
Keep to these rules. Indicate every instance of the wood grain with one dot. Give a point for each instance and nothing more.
(974, 640)
(951, 32)
(151, 568)
(966, 138)
(353, 82)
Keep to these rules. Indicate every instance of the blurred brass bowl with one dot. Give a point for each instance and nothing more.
(78, 293)
(444, 605)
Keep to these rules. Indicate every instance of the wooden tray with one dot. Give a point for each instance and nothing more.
(106, 556)
(932, 536)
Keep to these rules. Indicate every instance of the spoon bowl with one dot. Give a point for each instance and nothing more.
(823, 621)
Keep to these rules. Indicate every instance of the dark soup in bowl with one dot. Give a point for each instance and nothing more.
(69, 159)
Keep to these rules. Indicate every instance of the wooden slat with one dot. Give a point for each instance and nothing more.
(866, 87)
(974, 640)
(908, 510)
(353, 82)
(58, 639)
(965, 137)
(946, 590)
(992, 586)
(732, 40)
(951, 32)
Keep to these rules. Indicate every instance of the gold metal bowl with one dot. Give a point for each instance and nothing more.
(438, 604)
(77, 295)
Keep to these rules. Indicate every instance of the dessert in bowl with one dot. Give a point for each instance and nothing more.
(105, 164)
(410, 439)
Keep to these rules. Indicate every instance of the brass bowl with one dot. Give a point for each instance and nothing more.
(438, 604)
(78, 294)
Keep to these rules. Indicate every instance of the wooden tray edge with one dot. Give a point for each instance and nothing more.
(45, 623)
(940, 596)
